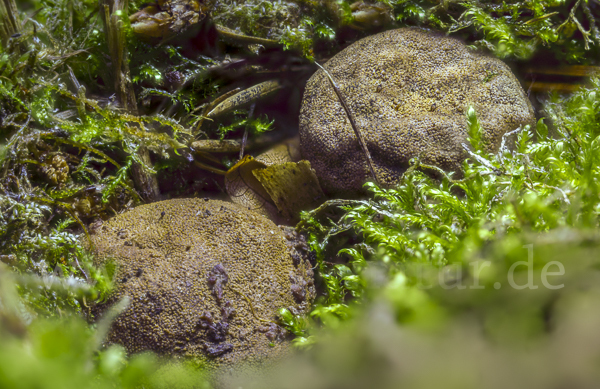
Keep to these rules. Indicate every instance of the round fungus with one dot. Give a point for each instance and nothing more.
(409, 91)
(205, 280)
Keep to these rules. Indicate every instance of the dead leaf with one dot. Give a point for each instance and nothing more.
(273, 185)
(244, 97)
(288, 151)
(245, 189)
(216, 146)
(292, 186)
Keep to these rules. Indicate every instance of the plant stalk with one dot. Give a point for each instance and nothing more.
(113, 12)
(361, 140)
(9, 20)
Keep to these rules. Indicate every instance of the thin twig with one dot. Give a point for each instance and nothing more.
(69, 209)
(482, 160)
(210, 168)
(361, 140)
(252, 307)
(245, 137)
(81, 270)
(541, 18)
(327, 204)
(591, 20)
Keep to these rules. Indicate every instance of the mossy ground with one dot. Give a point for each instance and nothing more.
(70, 156)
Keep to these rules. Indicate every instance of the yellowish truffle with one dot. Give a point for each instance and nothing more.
(205, 279)
(409, 90)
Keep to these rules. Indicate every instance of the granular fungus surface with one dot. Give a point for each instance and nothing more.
(409, 91)
(205, 278)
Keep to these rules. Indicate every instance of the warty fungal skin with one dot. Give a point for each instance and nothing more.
(409, 90)
(204, 279)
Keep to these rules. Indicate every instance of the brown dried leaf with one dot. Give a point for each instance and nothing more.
(216, 146)
(244, 97)
(293, 186)
(245, 189)
(288, 151)
(274, 185)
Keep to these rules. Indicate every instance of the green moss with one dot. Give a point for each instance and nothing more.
(544, 187)
(255, 126)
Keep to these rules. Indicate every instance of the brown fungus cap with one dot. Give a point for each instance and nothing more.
(409, 91)
(205, 278)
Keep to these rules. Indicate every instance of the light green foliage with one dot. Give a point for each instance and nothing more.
(256, 125)
(407, 11)
(64, 57)
(162, 70)
(501, 37)
(474, 131)
(296, 325)
(48, 255)
(51, 247)
(324, 32)
(66, 353)
(543, 192)
(512, 28)
(301, 37)
(257, 18)
(56, 137)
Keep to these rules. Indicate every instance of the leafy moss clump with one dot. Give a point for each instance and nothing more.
(508, 209)
(69, 150)
(514, 29)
